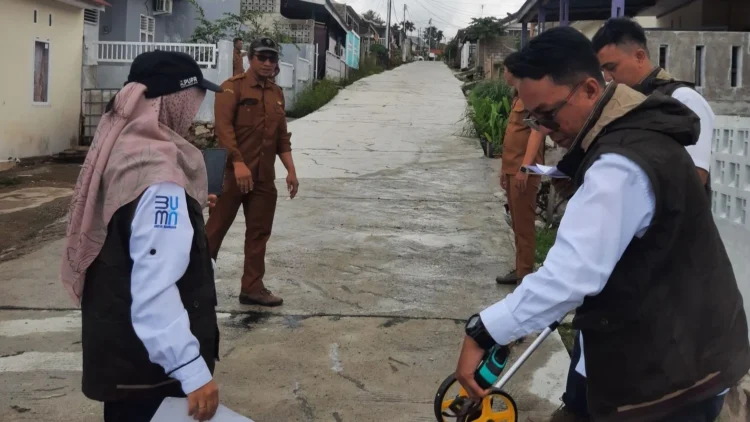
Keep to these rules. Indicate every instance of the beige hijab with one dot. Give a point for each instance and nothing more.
(139, 143)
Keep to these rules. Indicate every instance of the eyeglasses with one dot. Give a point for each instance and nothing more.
(267, 58)
(546, 118)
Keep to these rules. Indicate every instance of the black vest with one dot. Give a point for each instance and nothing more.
(671, 313)
(116, 365)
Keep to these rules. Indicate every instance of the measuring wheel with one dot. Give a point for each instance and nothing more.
(452, 403)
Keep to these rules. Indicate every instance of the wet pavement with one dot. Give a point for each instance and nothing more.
(394, 240)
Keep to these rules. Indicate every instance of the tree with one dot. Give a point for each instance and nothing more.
(433, 36)
(245, 26)
(374, 16)
(481, 28)
(409, 26)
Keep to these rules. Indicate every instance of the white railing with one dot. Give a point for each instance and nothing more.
(381, 41)
(285, 79)
(303, 67)
(125, 52)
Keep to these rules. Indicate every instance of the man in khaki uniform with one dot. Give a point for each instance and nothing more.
(237, 66)
(251, 125)
(521, 147)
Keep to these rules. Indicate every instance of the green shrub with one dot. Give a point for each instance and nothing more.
(488, 111)
(495, 90)
(314, 97)
(545, 238)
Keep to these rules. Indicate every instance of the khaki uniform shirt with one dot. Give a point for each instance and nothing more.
(517, 139)
(237, 66)
(251, 123)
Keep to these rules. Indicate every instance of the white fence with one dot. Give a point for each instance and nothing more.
(125, 52)
(335, 67)
(285, 79)
(304, 69)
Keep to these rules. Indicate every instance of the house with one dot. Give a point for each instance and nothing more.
(314, 22)
(41, 75)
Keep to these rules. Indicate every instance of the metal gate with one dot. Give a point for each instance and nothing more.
(94, 102)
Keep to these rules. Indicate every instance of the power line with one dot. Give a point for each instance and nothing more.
(438, 17)
(449, 9)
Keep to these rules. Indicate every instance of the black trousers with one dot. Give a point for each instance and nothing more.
(575, 401)
(131, 410)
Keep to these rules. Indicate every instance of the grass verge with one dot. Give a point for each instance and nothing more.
(314, 97)
(322, 91)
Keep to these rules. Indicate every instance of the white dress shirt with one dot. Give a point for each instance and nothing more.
(614, 204)
(160, 244)
(701, 151)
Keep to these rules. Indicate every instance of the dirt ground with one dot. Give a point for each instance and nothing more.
(24, 231)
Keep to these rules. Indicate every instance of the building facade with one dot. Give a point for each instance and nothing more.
(40, 95)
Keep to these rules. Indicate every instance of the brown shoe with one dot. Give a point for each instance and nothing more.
(510, 278)
(262, 298)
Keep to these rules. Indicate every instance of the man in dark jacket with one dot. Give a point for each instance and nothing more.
(663, 325)
(623, 54)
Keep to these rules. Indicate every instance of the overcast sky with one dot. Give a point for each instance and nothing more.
(447, 15)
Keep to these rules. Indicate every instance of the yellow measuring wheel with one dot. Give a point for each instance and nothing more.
(452, 404)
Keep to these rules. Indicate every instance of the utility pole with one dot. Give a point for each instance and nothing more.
(403, 23)
(482, 15)
(388, 30)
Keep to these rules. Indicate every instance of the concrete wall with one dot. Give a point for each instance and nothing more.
(113, 21)
(180, 25)
(495, 46)
(730, 181)
(681, 62)
(29, 129)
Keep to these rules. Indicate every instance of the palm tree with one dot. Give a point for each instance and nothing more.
(409, 26)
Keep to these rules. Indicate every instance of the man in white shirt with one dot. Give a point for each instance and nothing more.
(663, 323)
(623, 54)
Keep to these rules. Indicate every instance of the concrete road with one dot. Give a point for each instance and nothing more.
(395, 238)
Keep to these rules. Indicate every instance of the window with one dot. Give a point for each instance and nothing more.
(736, 67)
(162, 7)
(699, 58)
(148, 25)
(91, 16)
(41, 72)
(663, 56)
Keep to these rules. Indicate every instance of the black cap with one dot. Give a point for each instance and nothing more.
(264, 44)
(167, 72)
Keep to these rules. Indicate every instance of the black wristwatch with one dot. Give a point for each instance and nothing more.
(524, 169)
(476, 330)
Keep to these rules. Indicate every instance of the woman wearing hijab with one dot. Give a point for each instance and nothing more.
(136, 257)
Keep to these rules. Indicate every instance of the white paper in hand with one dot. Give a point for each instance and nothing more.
(548, 171)
(175, 409)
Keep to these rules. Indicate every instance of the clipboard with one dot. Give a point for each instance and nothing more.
(216, 164)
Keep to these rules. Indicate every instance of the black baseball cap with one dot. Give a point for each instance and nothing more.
(264, 44)
(167, 72)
